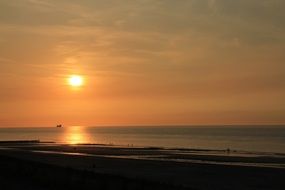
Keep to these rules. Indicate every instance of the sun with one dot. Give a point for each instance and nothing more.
(75, 80)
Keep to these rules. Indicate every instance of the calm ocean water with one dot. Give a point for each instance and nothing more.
(265, 139)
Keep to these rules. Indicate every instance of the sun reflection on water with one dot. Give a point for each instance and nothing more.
(75, 135)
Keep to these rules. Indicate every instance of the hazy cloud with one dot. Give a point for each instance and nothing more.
(162, 51)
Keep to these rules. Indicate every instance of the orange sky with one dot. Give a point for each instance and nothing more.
(143, 62)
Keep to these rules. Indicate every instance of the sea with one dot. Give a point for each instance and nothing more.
(242, 138)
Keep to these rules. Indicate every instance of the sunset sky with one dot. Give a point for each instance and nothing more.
(142, 62)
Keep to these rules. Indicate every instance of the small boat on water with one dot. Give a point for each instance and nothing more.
(59, 126)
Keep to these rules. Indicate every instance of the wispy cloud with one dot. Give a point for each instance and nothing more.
(152, 50)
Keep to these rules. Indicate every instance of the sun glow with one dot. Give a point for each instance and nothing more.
(75, 135)
(75, 80)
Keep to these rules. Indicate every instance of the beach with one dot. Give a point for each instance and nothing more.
(142, 95)
(98, 165)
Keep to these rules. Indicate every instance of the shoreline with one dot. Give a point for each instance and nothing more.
(175, 138)
(227, 151)
(189, 168)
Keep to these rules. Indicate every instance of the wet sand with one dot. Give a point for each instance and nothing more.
(145, 167)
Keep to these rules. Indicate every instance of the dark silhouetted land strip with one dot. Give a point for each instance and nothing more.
(20, 142)
(101, 167)
(23, 174)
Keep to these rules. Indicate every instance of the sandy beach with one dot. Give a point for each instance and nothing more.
(142, 95)
(139, 167)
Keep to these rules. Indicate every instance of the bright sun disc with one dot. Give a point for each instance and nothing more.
(75, 80)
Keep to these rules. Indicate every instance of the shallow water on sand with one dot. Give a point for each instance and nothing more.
(248, 138)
